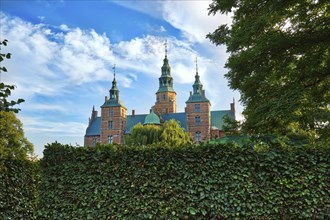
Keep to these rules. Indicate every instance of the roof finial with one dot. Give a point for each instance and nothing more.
(165, 45)
(114, 71)
(196, 65)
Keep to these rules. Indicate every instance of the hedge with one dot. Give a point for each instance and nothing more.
(196, 182)
(18, 188)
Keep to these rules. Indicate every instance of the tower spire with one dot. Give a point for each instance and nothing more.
(114, 92)
(114, 71)
(165, 45)
(196, 65)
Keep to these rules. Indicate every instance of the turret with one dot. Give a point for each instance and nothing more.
(113, 116)
(198, 111)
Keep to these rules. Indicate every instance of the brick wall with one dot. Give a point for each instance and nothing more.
(117, 116)
(90, 140)
(167, 105)
(205, 120)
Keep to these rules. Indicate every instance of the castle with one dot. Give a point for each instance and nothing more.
(197, 119)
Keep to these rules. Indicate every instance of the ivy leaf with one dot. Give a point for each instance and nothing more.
(192, 211)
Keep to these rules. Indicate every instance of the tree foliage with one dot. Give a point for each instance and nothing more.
(5, 90)
(169, 134)
(193, 182)
(174, 135)
(12, 140)
(280, 62)
(231, 126)
(143, 135)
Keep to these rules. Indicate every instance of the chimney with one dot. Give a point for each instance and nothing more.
(190, 93)
(232, 106)
(133, 112)
(203, 93)
(106, 98)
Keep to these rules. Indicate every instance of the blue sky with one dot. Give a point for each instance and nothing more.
(63, 53)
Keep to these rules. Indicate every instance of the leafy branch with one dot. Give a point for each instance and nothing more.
(6, 90)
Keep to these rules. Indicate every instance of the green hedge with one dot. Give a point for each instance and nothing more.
(197, 182)
(18, 188)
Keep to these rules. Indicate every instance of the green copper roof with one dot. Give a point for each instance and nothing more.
(112, 103)
(113, 100)
(132, 120)
(166, 69)
(166, 80)
(197, 98)
(165, 89)
(152, 118)
(197, 95)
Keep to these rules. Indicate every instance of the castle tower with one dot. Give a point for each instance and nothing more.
(113, 116)
(165, 96)
(198, 112)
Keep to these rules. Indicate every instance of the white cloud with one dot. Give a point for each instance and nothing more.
(192, 18)
(70, 69)
(64, 27)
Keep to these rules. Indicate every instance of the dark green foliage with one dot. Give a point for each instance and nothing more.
(18, 188)
(5, 90)
(195, 182)
(231, 126)
(280, 62)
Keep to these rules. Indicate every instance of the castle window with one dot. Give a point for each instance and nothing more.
(197, 107)
(164, 96)
(110, 112)
(198, 136)
(110, 139)
(94, 141)
(197, 120)
(110, 125)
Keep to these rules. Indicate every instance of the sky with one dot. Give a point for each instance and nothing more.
(63, 53)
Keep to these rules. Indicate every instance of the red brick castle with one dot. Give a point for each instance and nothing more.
(197, 119)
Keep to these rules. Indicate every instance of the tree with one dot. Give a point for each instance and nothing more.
(230, 125)
(5, 90)
(12, 140)
(169, 134)
(280, 62)
(174, 135)
(143, 135)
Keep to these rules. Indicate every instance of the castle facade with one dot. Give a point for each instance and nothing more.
(197, 119)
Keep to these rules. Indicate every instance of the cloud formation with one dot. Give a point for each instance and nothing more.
(61, 71)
